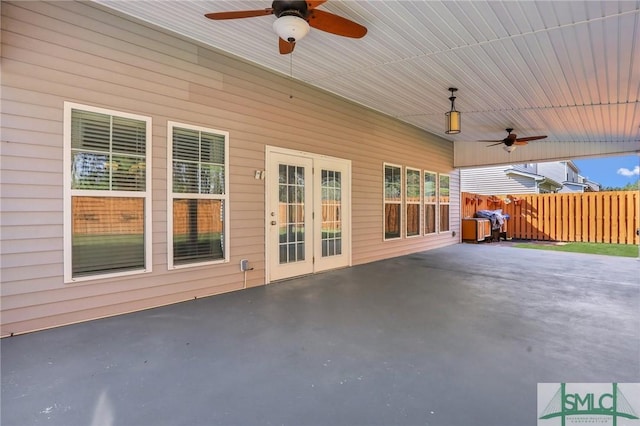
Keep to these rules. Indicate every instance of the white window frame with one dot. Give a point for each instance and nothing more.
(68, 193)
(410, 203)
(385, 202)
(440, 203)
(435, 203)
(171, 195)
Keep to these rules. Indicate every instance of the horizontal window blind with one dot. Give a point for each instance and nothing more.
(108, 153)
(198, 195)
(198, 162)
(107, 156)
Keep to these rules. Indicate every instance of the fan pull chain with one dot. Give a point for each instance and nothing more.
(291, 75)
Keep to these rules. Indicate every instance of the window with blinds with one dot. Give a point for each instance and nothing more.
(413, 201)
(444, 201)
(392, 201)
(107, 192)
(198, 204)
(430, 202)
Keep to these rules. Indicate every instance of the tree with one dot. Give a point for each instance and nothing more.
(631, 186)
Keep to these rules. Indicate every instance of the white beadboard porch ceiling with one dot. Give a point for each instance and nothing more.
(567, 69)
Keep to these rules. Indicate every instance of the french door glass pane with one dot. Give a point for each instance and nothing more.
(331, 189)
(291, 184)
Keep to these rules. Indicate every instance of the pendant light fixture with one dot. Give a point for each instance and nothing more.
(452, 117)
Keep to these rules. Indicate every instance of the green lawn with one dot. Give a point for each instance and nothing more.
(625, 250)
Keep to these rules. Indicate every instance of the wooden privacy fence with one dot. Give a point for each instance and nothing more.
(119, 216)
(107, 215)
(598, 217)
(294, 213)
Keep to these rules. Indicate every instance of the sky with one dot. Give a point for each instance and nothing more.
(610, 171)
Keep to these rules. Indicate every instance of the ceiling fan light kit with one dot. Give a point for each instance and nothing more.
(452, 118)
(291, 28)
(509, 149)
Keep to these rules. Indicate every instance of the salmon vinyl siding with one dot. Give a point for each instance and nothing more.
(56, 52)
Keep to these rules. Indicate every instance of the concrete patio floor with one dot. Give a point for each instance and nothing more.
(454, 336)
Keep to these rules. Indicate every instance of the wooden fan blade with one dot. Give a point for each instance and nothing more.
(530, 138)
(520, 142)
(335, 24)
(494, 144)
(492, 140)
(239, 14)
(285, 46)
(313, 4)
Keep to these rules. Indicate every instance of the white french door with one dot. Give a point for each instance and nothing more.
(289, 216)
(308, 213)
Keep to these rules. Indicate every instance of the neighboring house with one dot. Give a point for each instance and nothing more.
(565, 172)
(590, 185)
(528, 178)
(509, 179)
(140, 168)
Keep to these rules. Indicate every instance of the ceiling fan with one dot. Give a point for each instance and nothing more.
(294, 20)
(512, 140)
